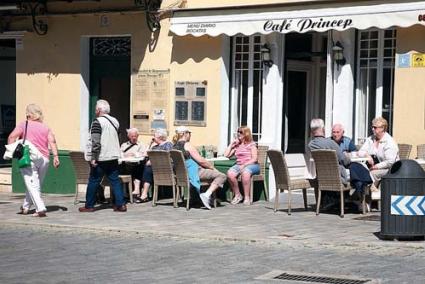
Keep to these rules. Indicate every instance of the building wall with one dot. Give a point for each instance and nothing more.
(49, 70)
(409, 96)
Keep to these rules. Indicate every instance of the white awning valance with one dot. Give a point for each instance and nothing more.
(296, 19)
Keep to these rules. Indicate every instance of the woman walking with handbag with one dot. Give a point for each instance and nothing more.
(41, 137)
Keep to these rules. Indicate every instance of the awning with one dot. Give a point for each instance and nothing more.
(214, 22)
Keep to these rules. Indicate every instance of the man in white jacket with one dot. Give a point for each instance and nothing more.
(105, 153)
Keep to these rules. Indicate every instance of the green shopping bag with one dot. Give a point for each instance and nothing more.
(25, 161)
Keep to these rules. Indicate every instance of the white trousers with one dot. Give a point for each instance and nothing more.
(33, 178)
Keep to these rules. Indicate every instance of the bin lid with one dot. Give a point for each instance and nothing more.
(405, 169)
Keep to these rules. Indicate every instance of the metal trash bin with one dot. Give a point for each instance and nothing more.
(403, 201)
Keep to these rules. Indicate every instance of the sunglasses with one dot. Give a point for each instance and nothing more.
(374, 127)
(240, 131)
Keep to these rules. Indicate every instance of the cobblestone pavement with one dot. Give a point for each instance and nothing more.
(230, 244)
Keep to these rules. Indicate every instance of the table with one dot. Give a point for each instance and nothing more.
(222, 158)
(131, 159)
(359, 160)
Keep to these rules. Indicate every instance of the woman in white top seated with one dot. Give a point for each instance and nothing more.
(381, 151)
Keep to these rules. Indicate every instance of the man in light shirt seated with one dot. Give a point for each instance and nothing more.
(344, 143)
(133, 149)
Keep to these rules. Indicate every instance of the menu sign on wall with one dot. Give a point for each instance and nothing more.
(150, 98)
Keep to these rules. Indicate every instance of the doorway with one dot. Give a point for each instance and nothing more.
(297, 97)
(7, 92)
(110, 71)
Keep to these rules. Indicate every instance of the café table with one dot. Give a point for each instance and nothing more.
(131, 159)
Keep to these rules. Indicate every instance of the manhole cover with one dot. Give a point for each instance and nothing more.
(301, 277)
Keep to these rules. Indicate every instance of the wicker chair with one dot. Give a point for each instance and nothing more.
(421, 151)
(328, 177)
(283, 181)
(126, 181)
(262, 160)
(163, 174)
(182, 178)
(81, 169)
(404, 151)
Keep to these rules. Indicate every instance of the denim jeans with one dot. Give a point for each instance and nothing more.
(110, 169)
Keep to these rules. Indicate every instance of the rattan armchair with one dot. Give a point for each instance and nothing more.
(81, 170)
(404, 151)
(163, 174)
(328, 178)
(283, 180)
(262, 161)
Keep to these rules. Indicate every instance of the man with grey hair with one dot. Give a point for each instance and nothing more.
(318, 142)
(104, 160)
(133, 149)
(344, 143)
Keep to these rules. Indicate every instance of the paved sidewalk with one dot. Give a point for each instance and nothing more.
(256, 224)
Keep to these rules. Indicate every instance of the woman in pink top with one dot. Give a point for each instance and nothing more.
(41, 137)
(245, 150)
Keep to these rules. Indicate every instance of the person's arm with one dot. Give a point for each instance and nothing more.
(390, 156)
(95, 132)
(230, 150)
(53, 146)
(351, 146)
(198, 158)
(14, 135)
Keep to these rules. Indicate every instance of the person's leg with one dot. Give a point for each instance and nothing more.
(112, 173)
(147, 181)
(232, 178)
(96, 175)
(377, 176)
(32, 181)
(246, 175)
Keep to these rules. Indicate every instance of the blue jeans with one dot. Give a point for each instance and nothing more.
(110, 169)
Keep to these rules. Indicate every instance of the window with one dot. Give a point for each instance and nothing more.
(247, 96)
(375, 78)
(190, 103)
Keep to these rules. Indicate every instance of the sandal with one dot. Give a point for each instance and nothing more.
(237, 199)
(39, 214)
(142, 200)
(246, 202)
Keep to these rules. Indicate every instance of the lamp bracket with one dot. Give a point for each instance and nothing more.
(152, 14)
(36, 9)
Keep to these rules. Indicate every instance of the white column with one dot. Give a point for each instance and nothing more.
(273, 100)
(343, 83)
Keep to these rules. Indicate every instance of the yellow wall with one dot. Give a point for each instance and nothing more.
(409, 94)
(49, 68)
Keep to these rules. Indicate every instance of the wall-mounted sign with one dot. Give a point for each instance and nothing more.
(403, 60)
(418, 60)
(151, 91)
(190, 103)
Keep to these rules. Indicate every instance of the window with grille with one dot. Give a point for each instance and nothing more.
(247, 93)
(375, 78)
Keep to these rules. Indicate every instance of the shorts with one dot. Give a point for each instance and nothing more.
(253, 169)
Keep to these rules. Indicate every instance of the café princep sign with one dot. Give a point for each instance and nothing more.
(282, 26)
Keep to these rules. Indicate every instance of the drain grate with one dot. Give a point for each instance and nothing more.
(319, 279)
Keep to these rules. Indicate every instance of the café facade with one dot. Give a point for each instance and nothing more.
(215, 65)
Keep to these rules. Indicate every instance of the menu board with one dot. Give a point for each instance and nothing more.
(151, 91)
(190, 102)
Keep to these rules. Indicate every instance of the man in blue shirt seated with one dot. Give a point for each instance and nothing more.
(344, 143)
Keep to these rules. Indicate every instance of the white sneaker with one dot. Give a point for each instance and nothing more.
(205, 200)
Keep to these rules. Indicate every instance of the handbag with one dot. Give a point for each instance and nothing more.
(25, 160)
(19, 150)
